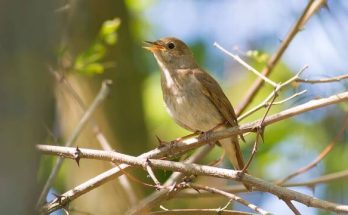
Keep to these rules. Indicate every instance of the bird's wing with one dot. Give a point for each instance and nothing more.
(213, 91)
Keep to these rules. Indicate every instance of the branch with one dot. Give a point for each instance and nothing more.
(266, 103)
(239, 188)
(104, 91)
(320, 157)
(197, 212)
(195, 169)
(230, 196)
(323, 80)
(157, 197)
(104, 143)
(247, 66)
(310, 9)
(188, 144)
(292, 207)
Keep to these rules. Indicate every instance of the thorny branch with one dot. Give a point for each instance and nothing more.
(104, 91)
(160, 195)
(104, 143)
(195, 169)
(191, 143)
(239, 188)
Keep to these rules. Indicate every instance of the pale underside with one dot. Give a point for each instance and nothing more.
(189, 107)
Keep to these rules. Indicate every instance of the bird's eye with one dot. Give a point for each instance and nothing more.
(170, 45)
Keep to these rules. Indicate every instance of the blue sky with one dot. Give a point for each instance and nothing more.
(259, 24)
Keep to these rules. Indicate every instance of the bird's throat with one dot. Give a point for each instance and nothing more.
(167, 75)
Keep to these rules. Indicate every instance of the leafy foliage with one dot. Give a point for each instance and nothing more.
(89, 61)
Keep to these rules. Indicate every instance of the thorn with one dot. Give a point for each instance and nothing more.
(77, 155)
(325, 6)
(197, 190)
(262, 134)
(161, 143)
(205, 135)
(242, 138)
(240, 174)
(187, 179)
(59, 198)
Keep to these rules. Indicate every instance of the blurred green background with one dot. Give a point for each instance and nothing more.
(89, 41)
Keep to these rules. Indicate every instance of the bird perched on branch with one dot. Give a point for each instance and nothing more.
(193, 98)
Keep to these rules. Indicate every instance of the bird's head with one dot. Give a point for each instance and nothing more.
(172, 51)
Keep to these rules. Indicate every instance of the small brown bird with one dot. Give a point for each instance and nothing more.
(193, 98)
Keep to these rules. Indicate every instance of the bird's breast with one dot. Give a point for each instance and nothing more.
(189, 107)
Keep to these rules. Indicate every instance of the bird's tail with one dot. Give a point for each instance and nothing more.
(232, 150)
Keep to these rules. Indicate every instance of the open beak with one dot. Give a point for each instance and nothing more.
(153, 46)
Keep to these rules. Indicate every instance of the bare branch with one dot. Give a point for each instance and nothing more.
(188, 144)
(104, 143)
(292, 207)
(320, 157)
(287, 99)
(198, 212)
(152, 174)
(323, 80)
(195, 169)
(104, 91)
(310, 9)
(265, 102)
(230, 196)
(247, 66)
(157, 197)
(239, 188)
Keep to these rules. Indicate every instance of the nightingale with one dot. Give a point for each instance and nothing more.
(193, 98)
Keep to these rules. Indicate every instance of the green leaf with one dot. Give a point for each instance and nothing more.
(92, 68)
(88, 62)
(108, 31)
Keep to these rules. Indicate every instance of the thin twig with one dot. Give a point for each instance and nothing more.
(320, 180)
(323, 80)
(292, 207)
(195, 169)
(321, 156)
(306, 14)
(104, 91)
(239, 188)
(197, 212)
(220, 210)
(152, 174)
(157, 197)
(265, 102)
(260, 132)
(246, 65)
(230, 196)
(104, 143)
(185, 145)
(287, 99)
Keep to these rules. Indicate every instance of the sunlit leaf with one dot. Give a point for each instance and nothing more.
(88, 62)
(108, 31)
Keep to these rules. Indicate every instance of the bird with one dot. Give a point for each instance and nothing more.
(193, 98)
